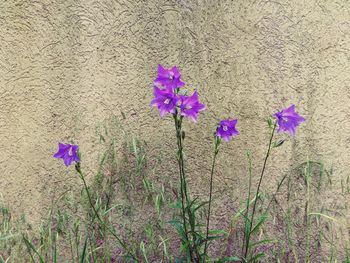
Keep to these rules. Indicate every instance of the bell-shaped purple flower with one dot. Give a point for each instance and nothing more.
(190, 106)
(165, 100)
(68, 152)
(288, 120)
(168, 78)
(227, 129)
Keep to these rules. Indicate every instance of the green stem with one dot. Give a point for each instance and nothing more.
(248, 198)
(182, 177)
(307, 208)
(258, 189)
(78, 169)
(216, 151)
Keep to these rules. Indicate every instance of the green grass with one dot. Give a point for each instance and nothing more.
(291, 224)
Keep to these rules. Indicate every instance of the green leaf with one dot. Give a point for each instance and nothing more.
(175, 205)
(323, 215)
(30, 247)
(262, 242)
(83, 253)
(104, 157)
(257, 256)
(261, 221)
(110, 209)
(222, 260)
(217, 232)
(178, 260)
(278, 143)
(202, 204)
(174, 222)
(143, 250)
(213, 237)
(55, 250)
(178, 226)
(191, 203)
(247, 227)
(158, 203)
(6, 237)
(269, 122)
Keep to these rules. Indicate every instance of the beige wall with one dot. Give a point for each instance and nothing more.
(65, 66)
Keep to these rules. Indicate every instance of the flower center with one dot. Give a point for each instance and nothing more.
(157, 84)
(188, 107)
(225, 128)
(171, 76)
(70, 152)
(167, 101)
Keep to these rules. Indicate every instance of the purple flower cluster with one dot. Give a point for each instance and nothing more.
(167, 98)
(287, 119)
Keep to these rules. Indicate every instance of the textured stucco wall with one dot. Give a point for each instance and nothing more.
(67, 65)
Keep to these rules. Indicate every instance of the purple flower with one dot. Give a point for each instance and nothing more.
(165, 100)
(68, 152)
(168, 78)
(288, 120)
(190, 106)
(227, 129)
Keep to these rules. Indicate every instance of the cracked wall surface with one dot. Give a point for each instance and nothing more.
(65, 66)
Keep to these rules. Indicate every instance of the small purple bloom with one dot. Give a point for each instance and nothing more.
(165, 100)
(227, 129)
(68, 152)
(190, 106)
(168, 78)
(288, 120)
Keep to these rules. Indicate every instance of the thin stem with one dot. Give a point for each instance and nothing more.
(184, 185)
(182, 178)
(182, 159)
(248, 197)
(78, 169)
(307, 208)
(216, 151)
(190, 215)
(258, 189)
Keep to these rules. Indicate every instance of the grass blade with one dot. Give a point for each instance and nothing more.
(30, 248)
(83, 253)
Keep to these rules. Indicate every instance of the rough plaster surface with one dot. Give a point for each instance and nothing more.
(65, 66)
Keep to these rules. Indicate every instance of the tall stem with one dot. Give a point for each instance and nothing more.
(81, 175)
(216, 151)
(248, 197)
(258, 189)
(307, 208)
(183, 188)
